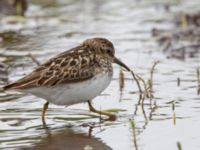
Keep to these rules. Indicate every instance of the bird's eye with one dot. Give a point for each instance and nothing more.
(109, 52)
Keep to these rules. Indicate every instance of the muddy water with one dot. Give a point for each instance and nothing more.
(54, 26)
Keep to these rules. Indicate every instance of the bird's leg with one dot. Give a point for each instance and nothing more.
(45, 107)
(92, 109)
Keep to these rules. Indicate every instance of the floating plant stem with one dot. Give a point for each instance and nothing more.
(174, 113)
(178, 81)
(150, 89)
(179, 146)
(152, 71)
(121, 80)
(132, 122)
(174, 118)
(198, 81)
(153, 109)
(137, 82)
(173, 106)
(133, 127)
(151, 78)
(145, 94)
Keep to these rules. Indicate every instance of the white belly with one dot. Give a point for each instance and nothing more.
(68, 94)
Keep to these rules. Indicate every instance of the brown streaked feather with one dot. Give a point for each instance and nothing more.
(22, 82)
(70, 66)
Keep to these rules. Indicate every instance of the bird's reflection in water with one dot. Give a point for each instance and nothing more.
(68, 139)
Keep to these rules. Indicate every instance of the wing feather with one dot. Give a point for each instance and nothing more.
(70, 66)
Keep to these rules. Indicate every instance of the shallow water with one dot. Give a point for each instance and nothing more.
(56, 26)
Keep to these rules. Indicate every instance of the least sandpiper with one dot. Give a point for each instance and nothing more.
(74, 76)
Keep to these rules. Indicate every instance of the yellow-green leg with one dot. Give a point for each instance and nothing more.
(45, 107)
(92, 109)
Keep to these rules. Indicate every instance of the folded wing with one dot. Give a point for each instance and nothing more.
(75, 65)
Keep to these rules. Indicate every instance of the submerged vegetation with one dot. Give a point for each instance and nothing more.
(183, 40)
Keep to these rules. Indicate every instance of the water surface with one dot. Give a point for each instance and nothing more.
(54, 26)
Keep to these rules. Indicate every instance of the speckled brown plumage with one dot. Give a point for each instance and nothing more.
(78, 64)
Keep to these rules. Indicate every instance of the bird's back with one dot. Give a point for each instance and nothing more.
(75, 65)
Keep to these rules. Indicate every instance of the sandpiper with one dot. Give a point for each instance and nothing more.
(74, 76)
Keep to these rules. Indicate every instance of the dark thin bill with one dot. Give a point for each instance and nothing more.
(117, 61)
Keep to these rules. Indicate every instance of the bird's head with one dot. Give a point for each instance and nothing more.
(104, 47)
